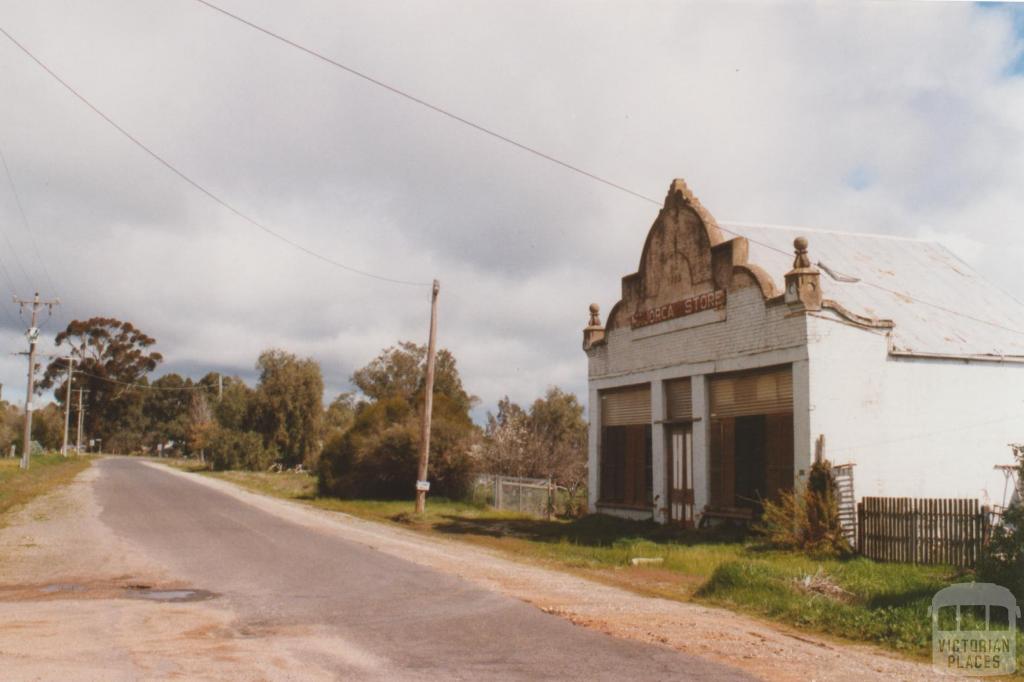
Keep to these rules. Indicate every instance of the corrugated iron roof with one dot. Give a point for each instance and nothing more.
(939, 304)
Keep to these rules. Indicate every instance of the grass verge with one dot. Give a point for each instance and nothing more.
(45, 473)
(854, 599)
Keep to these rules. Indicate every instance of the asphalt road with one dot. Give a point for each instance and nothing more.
(421, 623)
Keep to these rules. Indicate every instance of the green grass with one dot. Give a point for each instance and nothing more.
(45, 473)
(862, 600)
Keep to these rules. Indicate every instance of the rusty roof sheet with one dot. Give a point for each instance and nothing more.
(939, 304)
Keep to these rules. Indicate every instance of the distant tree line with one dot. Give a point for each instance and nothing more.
(362, 444)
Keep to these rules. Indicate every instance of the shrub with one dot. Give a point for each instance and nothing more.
(1002, 561)
(229, 449)
(807, 519)
(378, 457)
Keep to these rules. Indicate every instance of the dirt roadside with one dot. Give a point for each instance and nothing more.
(93, 632)
(66, 612)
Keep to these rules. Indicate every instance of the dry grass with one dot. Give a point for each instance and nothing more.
(45, 473)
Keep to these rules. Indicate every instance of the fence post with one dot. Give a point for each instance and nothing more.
(860, 527)
(551, 501)
(914, 516)
(497, 492)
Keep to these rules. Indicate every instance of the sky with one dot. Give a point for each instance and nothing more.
(903, 118)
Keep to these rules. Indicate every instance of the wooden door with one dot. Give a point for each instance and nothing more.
(680, 474)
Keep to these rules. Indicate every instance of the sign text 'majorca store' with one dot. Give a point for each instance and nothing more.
(670, 311)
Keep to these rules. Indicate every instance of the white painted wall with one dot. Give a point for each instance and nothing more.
(914, 427)
(748, 335)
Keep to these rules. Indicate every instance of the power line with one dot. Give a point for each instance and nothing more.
(434, 108)
(148, 387)
(24, 220)
(424, 103)
(536, 152)
(195, 184)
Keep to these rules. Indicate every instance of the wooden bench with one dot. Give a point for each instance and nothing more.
(734, 515)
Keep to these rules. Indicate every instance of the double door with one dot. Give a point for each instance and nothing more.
(680, 474)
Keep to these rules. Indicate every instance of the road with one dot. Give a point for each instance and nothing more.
(394, 619)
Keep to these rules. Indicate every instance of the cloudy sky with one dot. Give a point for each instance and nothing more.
(891, 117)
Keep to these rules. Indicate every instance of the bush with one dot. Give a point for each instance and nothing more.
(807, 520)
(229, 449)
(379, 456)
(1002, 561)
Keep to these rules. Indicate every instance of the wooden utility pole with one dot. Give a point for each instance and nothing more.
(422, 485)
(67, 404)
(33, 337)
(81, 420)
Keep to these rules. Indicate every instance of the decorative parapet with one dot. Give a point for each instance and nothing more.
(803, 282)
(593, 333)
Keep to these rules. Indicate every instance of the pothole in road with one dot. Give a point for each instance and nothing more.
(181, 595)
(62, 587)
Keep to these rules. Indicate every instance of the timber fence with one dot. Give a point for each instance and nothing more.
(922, 531)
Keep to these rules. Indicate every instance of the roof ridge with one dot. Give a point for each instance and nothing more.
(875, 235)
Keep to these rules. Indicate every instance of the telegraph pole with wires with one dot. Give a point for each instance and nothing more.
(422, 484)
(67, 404)
(33, 337)
(81, 421)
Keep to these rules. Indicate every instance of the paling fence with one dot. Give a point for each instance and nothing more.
(922, 531)
(535, 496)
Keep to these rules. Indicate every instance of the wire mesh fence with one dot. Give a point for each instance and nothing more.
(534, 496)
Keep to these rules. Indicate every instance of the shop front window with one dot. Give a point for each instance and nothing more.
(626, 466)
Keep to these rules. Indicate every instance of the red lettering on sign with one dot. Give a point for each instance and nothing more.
(670, 311)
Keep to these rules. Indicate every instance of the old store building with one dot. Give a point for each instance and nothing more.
(729, 357)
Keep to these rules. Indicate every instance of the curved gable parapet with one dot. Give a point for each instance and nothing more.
(686, 260)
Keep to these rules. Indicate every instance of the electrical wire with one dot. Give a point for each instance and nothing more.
(148, 387)
(536, 152)
(432, 107)
(424, 103)
(24, 220)
(196, 185)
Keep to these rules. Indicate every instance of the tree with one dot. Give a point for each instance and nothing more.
(560, 435)
(507, 440)
(400, 372)
(48, 427)
(340, 415)
(289, 406)
(111, 357)
(234, 409)
(239, 450)
(166, 409)
(549, 441)
(378, 455)
(200, 426)
(1002, 561)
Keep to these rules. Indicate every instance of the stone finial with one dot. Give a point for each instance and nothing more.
(594, 331)
(803, 282)
(802, 260)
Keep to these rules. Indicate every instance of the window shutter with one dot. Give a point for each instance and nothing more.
(750, 393)
(626, 406)
(679, 397)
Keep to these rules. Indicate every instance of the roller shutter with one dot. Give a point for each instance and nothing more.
(626, 406)
(679, 399)
(750, 393)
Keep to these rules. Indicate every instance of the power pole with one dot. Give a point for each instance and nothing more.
(81, 420)
(67, 404)
(422, 485)
(33, 337)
